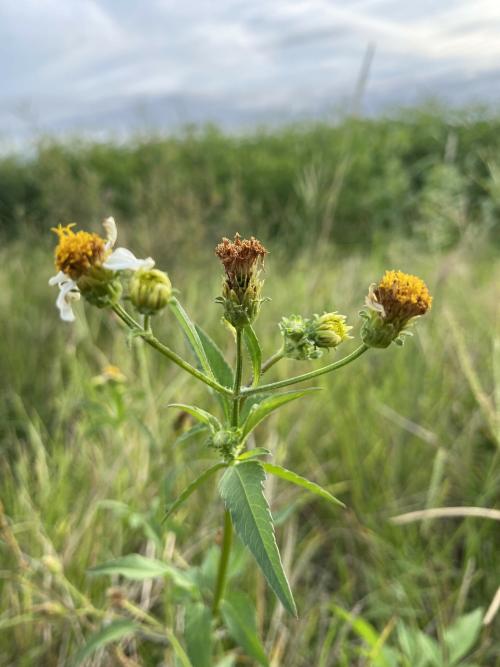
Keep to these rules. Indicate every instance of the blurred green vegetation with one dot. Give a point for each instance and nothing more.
(87, 468)
(425, 173)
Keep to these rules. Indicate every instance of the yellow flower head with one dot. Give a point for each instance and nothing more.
(393, 303)
(401, 295)
(77, 252)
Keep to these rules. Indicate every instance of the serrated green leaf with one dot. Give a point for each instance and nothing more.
(137, 568)
(220, 368)
(193, 486)
(462, 635)
(110, 633)
(198, 634)
(192, 335)
(241, 490)
(198, 413)
(292, 477)
(253, 347)
(239, 616)
(261, 410)
(253, 453)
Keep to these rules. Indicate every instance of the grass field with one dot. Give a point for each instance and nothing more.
(88, 466)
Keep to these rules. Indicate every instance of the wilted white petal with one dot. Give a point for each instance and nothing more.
(111, 232)
(372, 302)
(68, 293)
(58, 279)
(122, 259)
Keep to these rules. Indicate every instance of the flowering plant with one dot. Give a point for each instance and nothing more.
(89, 267)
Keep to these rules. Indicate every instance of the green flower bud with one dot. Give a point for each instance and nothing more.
(150, 290)
(227, 442)
(100, 287)
(297, 343)
(304, 338)
(329, 330)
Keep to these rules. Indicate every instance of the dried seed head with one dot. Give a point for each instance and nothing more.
(242, 260)
(240, 256)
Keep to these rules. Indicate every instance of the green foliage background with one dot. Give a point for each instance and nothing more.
(87, 469)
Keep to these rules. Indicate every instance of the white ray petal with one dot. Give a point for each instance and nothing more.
(122, 259)
(68, 293)
(111, 232)
(59, 279)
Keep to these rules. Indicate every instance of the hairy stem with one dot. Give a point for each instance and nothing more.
(153, 342)
(227, 541)
(248, 391)
(277, 356)
(235, 416)
(228, 524)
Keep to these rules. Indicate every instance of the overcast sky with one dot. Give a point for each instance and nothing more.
(109, 65)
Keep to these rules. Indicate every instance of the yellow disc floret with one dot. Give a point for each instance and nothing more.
(77, 252)
(402, 295)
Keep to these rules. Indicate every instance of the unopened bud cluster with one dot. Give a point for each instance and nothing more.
(306, 338)
(226, 442)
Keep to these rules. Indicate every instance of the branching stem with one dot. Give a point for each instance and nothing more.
(248, 391)
(151, 340)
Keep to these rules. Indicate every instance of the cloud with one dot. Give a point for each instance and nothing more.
(88, 62)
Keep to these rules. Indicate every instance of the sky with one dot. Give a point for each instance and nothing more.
(111, 66)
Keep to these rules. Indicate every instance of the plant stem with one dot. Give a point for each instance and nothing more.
(235, 417)
(228, 524)
(151, 340)
(227, 541)
(306, 376)
(272, 360)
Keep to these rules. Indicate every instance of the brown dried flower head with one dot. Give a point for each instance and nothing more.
(242, 259)
(239, 257)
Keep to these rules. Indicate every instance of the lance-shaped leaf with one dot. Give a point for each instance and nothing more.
(292, 477)
(242, 492)
(220, 368)
(253, 347)
(192, 335)
(191, 488)
(109, 633)
(198, 413)
(138, 568)
(261, 410)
